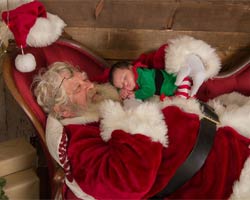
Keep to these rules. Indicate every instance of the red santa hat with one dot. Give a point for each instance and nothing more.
(32, 25)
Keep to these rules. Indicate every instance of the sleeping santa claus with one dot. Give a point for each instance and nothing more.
(176, 148)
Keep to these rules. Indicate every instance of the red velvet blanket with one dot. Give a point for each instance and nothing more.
(133, 167)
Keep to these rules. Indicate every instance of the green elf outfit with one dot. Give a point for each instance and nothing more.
(153, 81)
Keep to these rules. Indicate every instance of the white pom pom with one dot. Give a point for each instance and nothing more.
(25, 62)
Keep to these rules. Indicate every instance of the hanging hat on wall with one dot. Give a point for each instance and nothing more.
(32, 25)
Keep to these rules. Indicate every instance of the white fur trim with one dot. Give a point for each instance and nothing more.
(233, 110)
(146, 119)
(75, 188)
(45, 31)
(54, 131)
(53, 136)
(181, 47)
(131, 103)
(233, 99)
(241, 188)
(187, 105)
(84, 119)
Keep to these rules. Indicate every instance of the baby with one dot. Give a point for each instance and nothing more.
(142, 83)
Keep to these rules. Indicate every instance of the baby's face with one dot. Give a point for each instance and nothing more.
(124, 79)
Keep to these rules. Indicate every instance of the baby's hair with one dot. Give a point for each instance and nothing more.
(114, 67)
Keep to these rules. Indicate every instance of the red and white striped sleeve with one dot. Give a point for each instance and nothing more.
(184, 88)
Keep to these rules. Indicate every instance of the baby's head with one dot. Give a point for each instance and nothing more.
(122, 76)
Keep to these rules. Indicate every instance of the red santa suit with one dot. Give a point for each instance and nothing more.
(134, 153)
(122, 161)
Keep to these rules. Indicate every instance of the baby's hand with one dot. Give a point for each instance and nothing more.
(123, 93)
(131, 94)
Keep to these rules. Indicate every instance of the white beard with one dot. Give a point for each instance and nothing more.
(107, 91)
(91, 113)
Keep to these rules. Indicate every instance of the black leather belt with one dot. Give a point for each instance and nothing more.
(197, 157)
(158, 81)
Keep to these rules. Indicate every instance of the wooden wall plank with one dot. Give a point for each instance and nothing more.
(119, 14)
(128, 44)
(188, 15)
(3, 128)
(212, 17)
(18, 124)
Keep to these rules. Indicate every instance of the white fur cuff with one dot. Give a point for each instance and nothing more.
(45, 31)
(181, 47)
(146, 119)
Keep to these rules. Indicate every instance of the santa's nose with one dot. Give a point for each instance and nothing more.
(88, 85)
(125, 84)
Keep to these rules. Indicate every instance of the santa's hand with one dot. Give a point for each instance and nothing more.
(194, 69)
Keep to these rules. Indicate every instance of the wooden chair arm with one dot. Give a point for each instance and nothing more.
(58, 182)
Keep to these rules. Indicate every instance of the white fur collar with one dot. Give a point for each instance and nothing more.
(190, 105)
(181, 47)
(83, 119)
(146, 119)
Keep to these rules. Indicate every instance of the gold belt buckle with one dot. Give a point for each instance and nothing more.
(211, 120)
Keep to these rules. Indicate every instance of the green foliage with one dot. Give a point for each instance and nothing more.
(2, 194)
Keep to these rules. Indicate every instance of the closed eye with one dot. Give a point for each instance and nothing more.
(124, 81)
(77, 89)
(118, 84)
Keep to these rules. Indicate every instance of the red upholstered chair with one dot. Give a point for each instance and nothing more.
(19, 85)
(236, 79)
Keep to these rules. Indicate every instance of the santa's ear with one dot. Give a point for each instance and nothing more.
(64, 111)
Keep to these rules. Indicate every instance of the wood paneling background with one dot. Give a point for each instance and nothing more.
(3, 128)
(123, 29)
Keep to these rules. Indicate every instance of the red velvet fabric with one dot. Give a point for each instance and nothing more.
(221, 169)
(112, 169)
(133, 167)
(154, 59)
(238, 82)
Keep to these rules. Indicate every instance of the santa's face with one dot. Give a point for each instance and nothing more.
(79, 88)
(124, 79)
